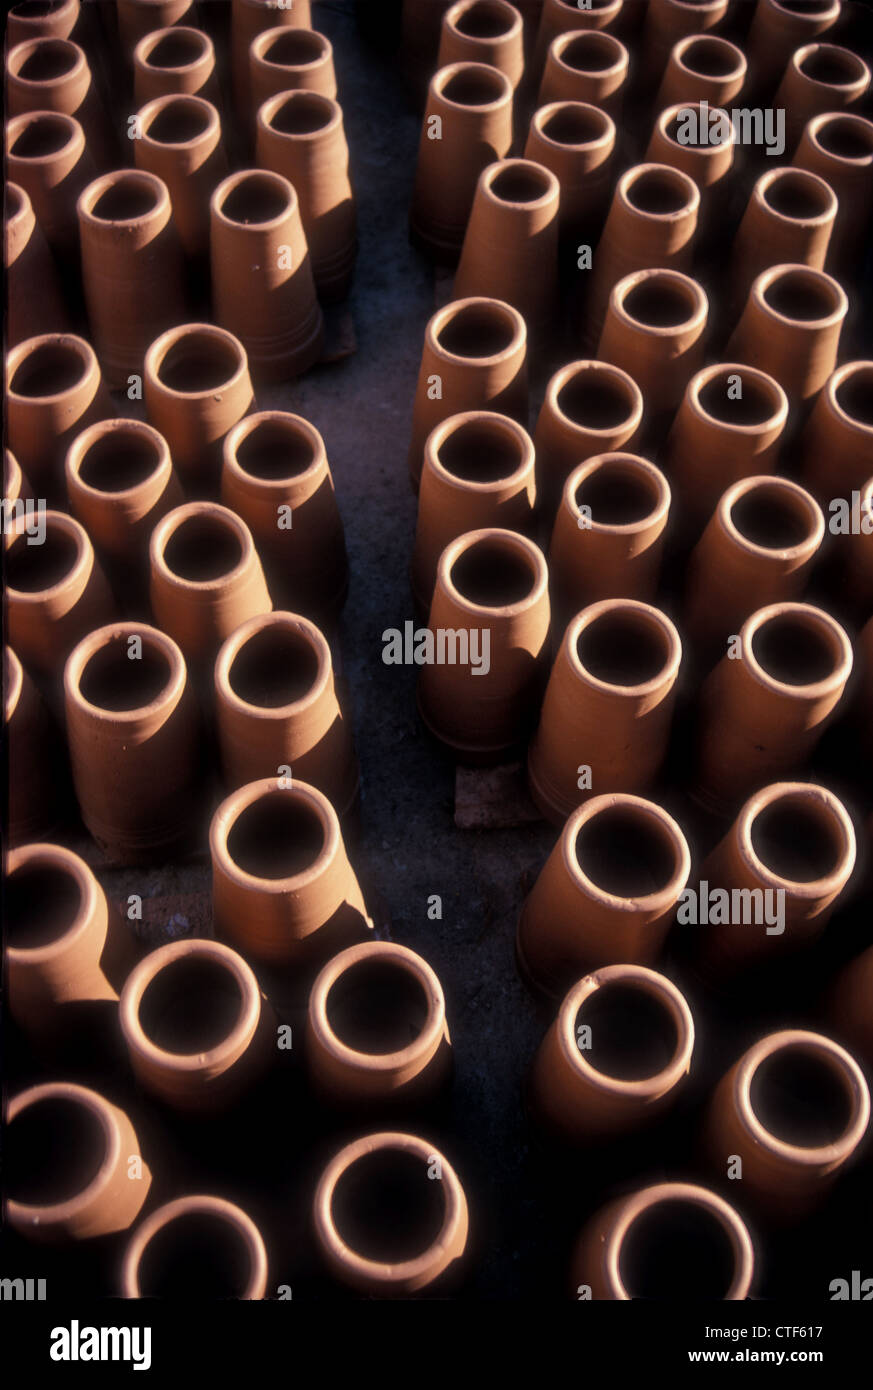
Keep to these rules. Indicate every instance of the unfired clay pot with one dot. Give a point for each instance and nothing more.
(779, 28)
(836, 449)
(132, 727)
(33, 798)
(819, 77)
(48, 74)
(34, 302)
(668, 21)
(230, 1259)
(492, 582)
(608, 706)
(838, 147)
(181, 143)
(139, 17)
(29, 21)
(69, 1167)
(702, 67)
(248, 19)
(285, 60)
(559, 16)
(178, 61)
(276, 707)
(709, 165)
(587, 66)
(589, 408)
(483, 31)
(850, 1006)
(575, 142)
(422, 1236)
(474, 358)
(794, 1108)
(47, 156)
(789, 218)
(607, 893)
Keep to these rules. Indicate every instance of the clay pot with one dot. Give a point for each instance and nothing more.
(837, 445)
(34, 302)
(131, 268)
(483, 31)
(478, 473)
(789, 218)
(561, 16)
(206, 579)
(276, 476)
(589, 408)
(758, 548)
(229, 1256)
(628, 1068)
(376, 1029)
(423, 1233)
(68, 1165)
(794, 845)
(276, 707)
(606, 895)
(819, 78)
(248, 19)
(576, 143)
(510, 248)
(198, 1031)
(55, 593)
(794, 1108)
(474, 358)
(139, 17)
(288, 60)
(491, 582)
(178, 61)
(702, 67)
(587, 66)
(301, 136)
(608, 706)
(626, 1250)
(181, 143)
(15, 485)
(709, 165)
(46, 155)
(608, 536)
(53, 75)
(668, 21)
(763, 711)
(467, 125)
(850, 1006)
(728, 427)
(33, 805)
(778, 30)
(53, 390)
(133, 734)
(839, 148)
(197, 385)
(28, 21)
(791, 328)
(283, 890)
(262, 285)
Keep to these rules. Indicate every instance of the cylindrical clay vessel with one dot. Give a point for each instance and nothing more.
(49, 74)
(47, 156)
(198, 1244)
(175, 61)
(34, 302)
(576, 142)
(590, 408)
(836, 449)
(181, 143)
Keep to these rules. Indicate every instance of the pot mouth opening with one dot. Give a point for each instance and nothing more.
(273, 450)
(677, 1248)
(34, 569)
(377, 1007)
(477, 330)
(573, 6)
(574, 124)
(659, 302)
(845, 137)
(37, 9)
(624, 648)
(798, 839)
(633, 1035)
(831, 65)
(191, 1005)
(591, 52)
(55, 1148)
(484, 19)
(196, 1250)
(473, 86)
(710, 57)
(801, 1095)
(42, 134)
(47, 61)
(180, 120)
(386, 1209)
(49, 369)
(627, 853)
(854, 396)
(43, 902)
(596, 400)
(198, 362)
(177, 48)
(758, 404)
(294, 48)
(812, 8)
(302, 113)
(802, 296)
(276, 666)
(118, 460)
(278, 836)
(493, 574)
(203, 548)
(619, 493)
(116, 680)
(479, 451)
(716, 136)
(799, 195)
(520, 182)
(15, 203)
(255, 198)
(773, 516)
(127, 198)
(659, 192)
(796, 650)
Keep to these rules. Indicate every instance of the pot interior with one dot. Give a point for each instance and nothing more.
(756, 405)
(796, 194)
(481, 451)
(277, 836)
(677, 1249)
(623, 647)
(198, 1253)
(54, 1150)
(274, 667)
(42, 903)
(588, 52)
(31, 569)
(49, 370)
(477, 330)
(618, 493)
(846, 137)
(126, 198)
(386, 1208)
(275, 449)
(484, 20)
(520, 183)
(302, 113)
(596, 400)
(190, 1006)
(177, 49)
(294, 48)
(256, 198)
(575, 125)
(48, 61)
(633, 1035)
(113, 679)
(855, 396)
(798, 839)
(493, 574)
(180, 120)
(118, 459)
(772, 516)
(709, 58)
(660, 302)
(795, 650)
(626, 852)
(800, 295)
(471, 86)
(802, 1097)
(199, 362)
(376, 1007)
(203, 547)
(657, 192)
(41, 135)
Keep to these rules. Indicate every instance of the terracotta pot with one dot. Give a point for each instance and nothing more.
(576, 143)
(791, 328)
(859, 560)
(560, 16)
(794, 845)
(608, 536)
(606, 895)
(197, 385)
(819, 78)
(850, 1006)
(198, 1031)
(283, 890)
(301, 136)
(276, 476)
(627, 1250)
(478, 473)
(28, 21)
(262, 274)
(48, 74)
(55, 593)
(668, 21)
(491, 582)
(702, 67)
(33, 806)
(510, 248)
(288, 60)
(474, 358)
(839, 148)
(789, 218)
(588, 66)
(217, 1238)
(763, 711)
(133, 734)
(778, 29)
(178, 61)
(248, 19)
(53, 390)
(728, 427)
(46, 155)
(34, 301)
(483, 31)
(181, 143)
(635, 1058)
(423, 1234)
(68, 1165)
(467, 125)
(376, 1029)
(608, 706)
(837, 446)
(131, 268)
(276, 706)
(589, 408)
(709, 165)
(758, 548)
(794, 1108)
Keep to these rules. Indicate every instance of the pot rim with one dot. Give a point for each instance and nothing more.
(97, 187)
(270, 36)
(88, 647)
(150, 109)
(13, 478)
(162, 345)
(630, 463)
(603, 369)
(42, 854)
(455, 308)
(61, 6)
(239, 801)
(444, 75)
(69, 341)
(297, 95)
(827, 10)
(815, 124)
(487, 418)
(827, 626)
(500, 166)
(106, 1115)
(832, 386)
(740, 64)
(821, 800)
(665, 676)
(701, 152)
(544, 113)
(622, 288)
(846, 56)
(268, 224)
(295, 424)
(120, 424)
(676, 176)
(767, 383)
(143, 49)
(21, 213)
(13, 681)
(649, 810)
(77, 575)
(37, 85)
(568, 36)
(75, 138)
(178, 517)
(510, 540)
(232, 646)
(800, 498)
(791, 171)
(450, 18)
(200, 1205)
